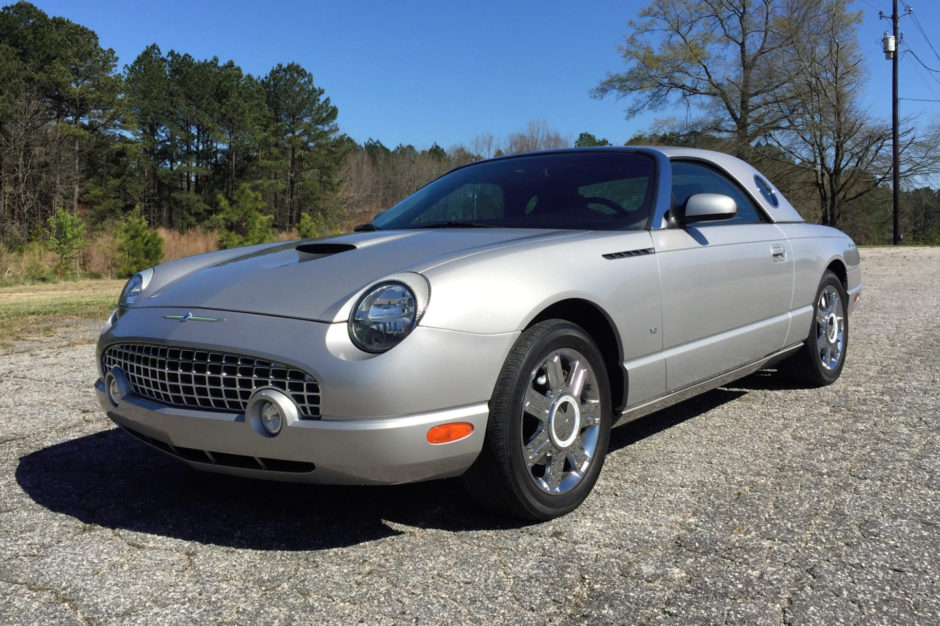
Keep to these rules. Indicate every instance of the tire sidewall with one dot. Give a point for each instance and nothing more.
(821, 374)
(552, 336)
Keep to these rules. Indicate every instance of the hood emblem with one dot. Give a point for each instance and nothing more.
(189, 317)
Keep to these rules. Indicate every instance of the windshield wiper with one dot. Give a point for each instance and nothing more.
(365, 228)
(453, 224)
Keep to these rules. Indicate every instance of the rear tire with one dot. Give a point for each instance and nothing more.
(548, 428)
(819, 362)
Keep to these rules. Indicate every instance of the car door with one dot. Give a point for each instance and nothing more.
(727, 285)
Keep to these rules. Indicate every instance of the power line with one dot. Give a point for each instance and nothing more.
(918, 100)
(924, 65)
(925, 77)
(910, 12)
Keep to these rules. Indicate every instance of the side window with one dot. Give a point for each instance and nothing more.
(475, 201)
(690, 178)
(617, 196)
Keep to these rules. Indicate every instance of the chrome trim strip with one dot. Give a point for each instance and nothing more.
(189, 317)
(675, 397)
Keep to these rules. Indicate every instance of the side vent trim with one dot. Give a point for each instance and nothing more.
(628, 253)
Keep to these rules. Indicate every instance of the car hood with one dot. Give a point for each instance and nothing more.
(315, 279)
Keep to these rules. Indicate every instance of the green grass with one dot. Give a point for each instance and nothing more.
(28, 309)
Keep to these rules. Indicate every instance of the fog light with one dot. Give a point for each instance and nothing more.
(116, 386)
(271, 417)
(269, 410)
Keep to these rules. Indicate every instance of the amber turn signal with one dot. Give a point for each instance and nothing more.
(445, 433)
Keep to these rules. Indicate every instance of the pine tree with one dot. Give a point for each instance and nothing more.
(242, 222)
(139, 247)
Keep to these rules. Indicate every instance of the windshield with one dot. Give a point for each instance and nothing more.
(569, 190)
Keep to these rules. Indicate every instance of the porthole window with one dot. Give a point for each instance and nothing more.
(767, 191)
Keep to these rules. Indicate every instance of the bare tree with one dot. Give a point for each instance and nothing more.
(826, 133)
(536, 136)
(26, 168)
(484, 145)
(360, 192)
(722, 57)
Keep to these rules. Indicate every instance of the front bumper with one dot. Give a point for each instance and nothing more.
(375, 410)
(374, 451)
(854, 294)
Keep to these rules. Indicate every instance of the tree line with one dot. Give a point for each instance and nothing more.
(179, 142)
(166, 137)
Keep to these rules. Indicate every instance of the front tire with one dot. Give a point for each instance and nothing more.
(820, 361)
(549, 425)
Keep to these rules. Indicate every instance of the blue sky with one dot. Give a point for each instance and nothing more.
(421, 72)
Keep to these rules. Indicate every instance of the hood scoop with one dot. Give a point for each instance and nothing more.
(324, 248)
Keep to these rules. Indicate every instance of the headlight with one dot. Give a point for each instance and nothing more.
(386, 314)
(134, 287)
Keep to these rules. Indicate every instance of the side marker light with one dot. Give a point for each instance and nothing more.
(447, 433)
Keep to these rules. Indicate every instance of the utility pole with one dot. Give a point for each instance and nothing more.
(890, 45)
(895, 122)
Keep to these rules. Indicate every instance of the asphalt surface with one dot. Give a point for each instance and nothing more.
(757, 503)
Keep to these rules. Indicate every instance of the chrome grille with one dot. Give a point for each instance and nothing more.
(204, 379)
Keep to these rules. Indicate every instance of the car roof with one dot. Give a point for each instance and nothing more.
(744, 173)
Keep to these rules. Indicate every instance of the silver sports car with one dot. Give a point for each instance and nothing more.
(494, 325)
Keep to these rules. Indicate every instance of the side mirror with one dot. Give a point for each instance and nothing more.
(703, 207)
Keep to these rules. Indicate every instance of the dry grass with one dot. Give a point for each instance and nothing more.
(31, 264)
(27, 307)
(24, 308)
(176, 245)
(100, 256)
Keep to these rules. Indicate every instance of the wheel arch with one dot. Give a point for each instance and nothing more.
(837, 267)
(602, 330)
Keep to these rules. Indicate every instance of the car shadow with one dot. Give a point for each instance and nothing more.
(664, 419)
(770, 379)
(112, 480)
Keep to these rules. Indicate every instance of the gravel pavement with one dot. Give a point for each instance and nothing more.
(756, 503)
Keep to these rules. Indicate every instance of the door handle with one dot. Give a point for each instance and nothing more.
(778, 252)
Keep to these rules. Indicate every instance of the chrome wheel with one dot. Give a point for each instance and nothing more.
(560, 421)
(819, 362)
(830, 328)
(549, 425)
